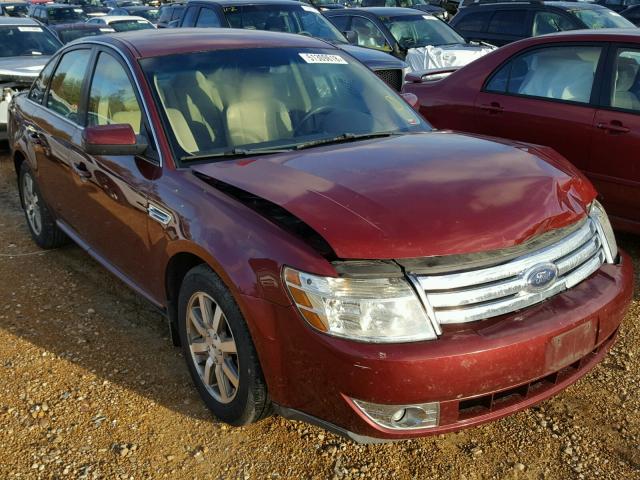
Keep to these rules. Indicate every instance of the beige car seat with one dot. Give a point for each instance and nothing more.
(626, 73)
(257, 115)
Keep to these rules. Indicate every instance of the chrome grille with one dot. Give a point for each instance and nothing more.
(491, 291)
(393, 77)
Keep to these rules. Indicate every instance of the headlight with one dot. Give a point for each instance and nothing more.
(599, 216)
(381, 310)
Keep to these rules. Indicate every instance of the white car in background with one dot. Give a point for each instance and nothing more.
(123, 23)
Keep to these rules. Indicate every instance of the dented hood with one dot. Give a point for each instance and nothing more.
(416, 195)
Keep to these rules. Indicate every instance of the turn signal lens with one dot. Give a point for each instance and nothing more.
(381, 310)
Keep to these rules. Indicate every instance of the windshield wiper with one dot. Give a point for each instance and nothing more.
(345, 137)
(235, 152)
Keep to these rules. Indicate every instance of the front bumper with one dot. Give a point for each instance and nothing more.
(478, 372)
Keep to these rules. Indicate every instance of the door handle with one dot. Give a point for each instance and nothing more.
(613, 127)
(81, 170)
(493, 107)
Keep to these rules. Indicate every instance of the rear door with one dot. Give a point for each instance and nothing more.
(55, 132)
(614, 166)
(545, 96)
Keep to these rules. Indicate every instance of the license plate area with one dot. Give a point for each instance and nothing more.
(570, 346)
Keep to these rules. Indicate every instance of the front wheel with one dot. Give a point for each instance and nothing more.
(219, 351)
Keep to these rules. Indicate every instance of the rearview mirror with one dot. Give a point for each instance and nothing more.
(119, 139)
(411, 99)
(352, 36)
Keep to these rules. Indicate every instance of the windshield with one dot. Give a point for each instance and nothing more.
(128, 25)
(301, 19)
(412, 31)
(21, 41)
(65, 15)
(15, 10)
(602, 18)
(236, 101)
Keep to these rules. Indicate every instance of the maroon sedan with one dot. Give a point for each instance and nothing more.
(578, 92)
(317, 250)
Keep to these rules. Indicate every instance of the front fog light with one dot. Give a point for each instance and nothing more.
(605, 231)
(379, 310)
(401, 417)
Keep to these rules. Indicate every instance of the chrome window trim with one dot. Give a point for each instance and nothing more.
(115, 49)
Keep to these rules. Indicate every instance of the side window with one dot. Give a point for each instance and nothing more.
(626, 91)
(562, 73)
(550, 22)
(66, 85)
(341, 22)
(508, 22)
(474, 22)
(368, 34)
(208, 18)
(190, 14)
(177, 13)
(40, 85)
(112, 98)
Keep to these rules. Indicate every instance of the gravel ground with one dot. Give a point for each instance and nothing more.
(92, 388)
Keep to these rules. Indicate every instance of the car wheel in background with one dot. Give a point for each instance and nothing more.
(219, 351)
(42, 225)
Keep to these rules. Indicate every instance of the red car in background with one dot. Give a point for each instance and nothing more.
(317, 249)
(577, 92)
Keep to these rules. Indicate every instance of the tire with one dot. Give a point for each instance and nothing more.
(209, 354)
(40, 221)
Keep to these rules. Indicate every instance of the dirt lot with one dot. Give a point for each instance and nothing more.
(92, 388)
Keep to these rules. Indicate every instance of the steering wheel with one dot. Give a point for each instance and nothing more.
(321, 110)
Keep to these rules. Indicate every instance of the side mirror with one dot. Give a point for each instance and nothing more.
(352, 36)
(117, 139)
(411, 99)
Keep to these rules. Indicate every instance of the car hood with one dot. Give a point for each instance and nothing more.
(416, 195)
(27, 68)
(374, 59)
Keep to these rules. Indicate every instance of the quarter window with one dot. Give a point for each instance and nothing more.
(561, 73)
(40, 85)
(112, 99)
(473, 22)
(626, 91)
(208, 18)
(66, 86)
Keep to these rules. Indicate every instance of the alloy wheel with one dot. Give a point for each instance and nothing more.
(213, 348)
(31, 203)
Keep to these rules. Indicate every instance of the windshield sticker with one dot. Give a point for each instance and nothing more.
(141, 21)
(323, 58)
(29, 29)
(429, 17)
(107, 30)
(307, 8)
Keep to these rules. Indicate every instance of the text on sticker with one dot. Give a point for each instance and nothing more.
(323, 58)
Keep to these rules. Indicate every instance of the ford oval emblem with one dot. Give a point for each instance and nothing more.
(540, 277)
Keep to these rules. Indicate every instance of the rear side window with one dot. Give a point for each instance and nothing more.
(190, 15)
(626, 89)
(509, 22)
(560, 73)
(66, 85)
(474, 22)
(40, 85)
(208, 18)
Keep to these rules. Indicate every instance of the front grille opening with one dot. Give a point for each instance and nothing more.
(473, 407)
(393, 78)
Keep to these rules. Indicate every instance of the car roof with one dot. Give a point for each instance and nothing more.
(565, 5)
(18, 21)
(631, 35)
(173, 41)
(378, 11)
(53, 6)
(75, 26)
(138, 8)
